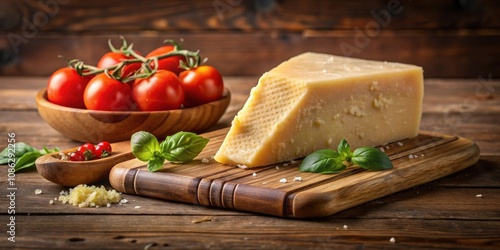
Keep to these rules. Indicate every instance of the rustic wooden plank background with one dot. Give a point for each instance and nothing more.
(449, 38)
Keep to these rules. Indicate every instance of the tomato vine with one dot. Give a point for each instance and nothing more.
(193, 60)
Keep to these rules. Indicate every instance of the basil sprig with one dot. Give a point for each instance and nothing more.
(23, 155)
(329, 161)
(178, 148)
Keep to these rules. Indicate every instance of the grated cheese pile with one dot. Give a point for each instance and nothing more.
(89, 196)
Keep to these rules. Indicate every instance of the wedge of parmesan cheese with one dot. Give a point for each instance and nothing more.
(313, 100)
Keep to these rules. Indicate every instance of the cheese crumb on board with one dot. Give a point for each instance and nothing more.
(392, 240)
(89, 196)
(283, 180)
(313, 100)
(38, 191)
(242, 166)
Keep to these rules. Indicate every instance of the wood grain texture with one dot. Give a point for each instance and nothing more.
(114, 15)
(254, 53)
(251, 232)
(96, 126)
(416, 161)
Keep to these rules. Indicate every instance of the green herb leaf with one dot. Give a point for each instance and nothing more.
(344, 150)
(178, 148)
(19, 149)
(371, 158)
(45, 150)
(23, 154)
(182, 147)
(155, 163)
(325, 161)
(27, 160)
(144, 145)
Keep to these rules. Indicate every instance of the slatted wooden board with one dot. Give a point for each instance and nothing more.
(416, 161)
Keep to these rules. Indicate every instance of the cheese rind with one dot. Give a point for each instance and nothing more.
(313, 100)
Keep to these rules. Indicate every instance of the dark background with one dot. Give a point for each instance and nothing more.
(449, 38)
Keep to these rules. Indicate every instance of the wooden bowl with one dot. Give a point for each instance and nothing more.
(94, 126)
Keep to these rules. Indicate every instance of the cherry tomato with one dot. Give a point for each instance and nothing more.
(112, 58)
(66, 88)
(89, 146)
(168, 63)
(88, 150)
(103, 149)
(161, 91)
(76, 156)
(105, 145)
(201, 85)
(105, 93)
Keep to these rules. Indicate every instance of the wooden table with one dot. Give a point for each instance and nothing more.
(461, 211)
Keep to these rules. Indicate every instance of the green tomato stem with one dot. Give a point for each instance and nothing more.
(193, 59)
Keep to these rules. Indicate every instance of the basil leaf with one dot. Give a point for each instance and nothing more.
(182, 146)
(45, 150)
(27, 160)
(144, 145)
(344, 150)
(23, 154)
(155, 163)
(20, 148)
(371, 158)
(178, 148)
(325, 161)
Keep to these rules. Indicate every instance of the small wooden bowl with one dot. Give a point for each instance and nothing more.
(94, 126)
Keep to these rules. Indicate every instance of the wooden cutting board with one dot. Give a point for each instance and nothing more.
(416, 161)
